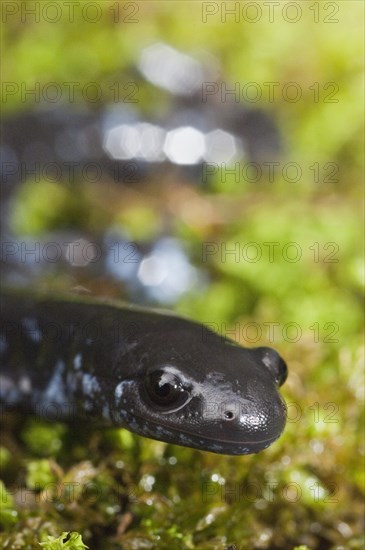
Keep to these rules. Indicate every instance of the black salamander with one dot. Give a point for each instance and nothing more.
(155, 374)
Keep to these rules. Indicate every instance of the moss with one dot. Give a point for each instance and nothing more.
(66, 541)
(8, 513)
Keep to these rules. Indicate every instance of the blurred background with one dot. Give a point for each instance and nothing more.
(205, 157)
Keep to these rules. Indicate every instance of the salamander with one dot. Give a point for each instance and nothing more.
(156, 374)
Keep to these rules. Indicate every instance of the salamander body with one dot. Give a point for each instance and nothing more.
(157, 375)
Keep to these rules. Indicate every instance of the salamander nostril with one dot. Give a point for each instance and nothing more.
(228, 415)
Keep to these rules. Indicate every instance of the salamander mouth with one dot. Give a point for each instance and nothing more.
(227, 447)
(201, 442)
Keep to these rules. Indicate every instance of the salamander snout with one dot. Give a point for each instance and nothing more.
(250, 422)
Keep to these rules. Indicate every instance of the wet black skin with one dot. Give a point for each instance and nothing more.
(155, 374)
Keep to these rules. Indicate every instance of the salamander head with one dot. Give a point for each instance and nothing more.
(219, 397)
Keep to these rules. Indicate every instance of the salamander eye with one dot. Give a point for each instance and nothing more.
(165, 389)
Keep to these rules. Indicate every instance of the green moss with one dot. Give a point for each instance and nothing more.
(43, 439)
(5, 457)
(66, 541)
(8, 513)
(39, 474)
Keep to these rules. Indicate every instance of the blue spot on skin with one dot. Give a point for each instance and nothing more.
(31, 328)
(77, 361)
(90, 384)
(55, 389)
(120, 389)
